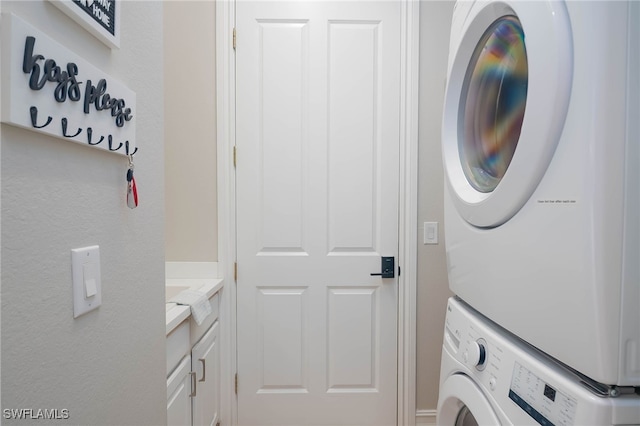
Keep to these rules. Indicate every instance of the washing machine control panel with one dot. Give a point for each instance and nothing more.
(545, 404)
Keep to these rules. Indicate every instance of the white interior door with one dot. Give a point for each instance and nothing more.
(317, 136)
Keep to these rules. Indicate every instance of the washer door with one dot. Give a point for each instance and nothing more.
(506, 100)
(461, 403)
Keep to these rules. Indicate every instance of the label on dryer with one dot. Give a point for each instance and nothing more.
(544, 403)
(553, 201)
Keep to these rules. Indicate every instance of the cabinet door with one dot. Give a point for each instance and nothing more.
(205, 357)
(178, 395)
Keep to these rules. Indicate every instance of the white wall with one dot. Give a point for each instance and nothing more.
(433, 284)
(108, 366)
(190, 131)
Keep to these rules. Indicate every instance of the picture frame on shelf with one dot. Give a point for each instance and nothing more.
(101, 18)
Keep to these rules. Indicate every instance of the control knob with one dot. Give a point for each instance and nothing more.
(476, 354)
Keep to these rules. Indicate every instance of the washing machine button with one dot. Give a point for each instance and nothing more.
(492, 383)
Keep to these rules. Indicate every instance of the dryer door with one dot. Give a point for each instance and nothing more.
(507, 94)
(461, 403)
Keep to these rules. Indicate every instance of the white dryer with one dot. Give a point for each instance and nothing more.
(541, 150)
(489, 377)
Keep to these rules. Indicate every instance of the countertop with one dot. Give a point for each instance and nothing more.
(178, 313)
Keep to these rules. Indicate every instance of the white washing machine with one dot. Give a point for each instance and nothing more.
(541, 150)
(489, 377)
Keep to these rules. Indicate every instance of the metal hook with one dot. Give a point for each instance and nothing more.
(34, 118)
(89, 134)
(64, 129)
(111, 144)
(126, 149)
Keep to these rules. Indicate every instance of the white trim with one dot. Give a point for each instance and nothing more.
(426, 417)
(408, 214)
(408, 209)
(225, 94)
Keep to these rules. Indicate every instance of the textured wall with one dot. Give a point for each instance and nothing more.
(107, 366)
(433, 285)
(190, 131)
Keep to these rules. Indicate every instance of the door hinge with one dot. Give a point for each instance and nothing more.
(235, 271)
(236, 383)
(234, 156)
(234, 39)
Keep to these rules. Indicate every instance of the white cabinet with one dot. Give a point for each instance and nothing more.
(205, 362)
(178, 395)
(193, 386)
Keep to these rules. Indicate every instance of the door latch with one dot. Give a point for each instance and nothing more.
(387, 266)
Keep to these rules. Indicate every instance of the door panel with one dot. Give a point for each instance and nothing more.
(353, 55)
(317, 136)
(281, 314)
(352, 339)
(281, 135)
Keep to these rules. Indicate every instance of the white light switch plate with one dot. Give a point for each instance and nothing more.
(430, 233)
(87, 284)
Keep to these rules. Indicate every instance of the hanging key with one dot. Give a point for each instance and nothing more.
(132, 190)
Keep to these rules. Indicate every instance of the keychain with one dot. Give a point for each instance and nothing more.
(132, 191)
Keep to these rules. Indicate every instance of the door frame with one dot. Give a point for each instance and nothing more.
(408, 208)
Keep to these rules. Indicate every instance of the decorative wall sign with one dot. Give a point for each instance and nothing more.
(49, 89)
(100, 17)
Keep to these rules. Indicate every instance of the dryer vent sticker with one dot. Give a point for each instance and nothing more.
(557, 202)
(49, 89)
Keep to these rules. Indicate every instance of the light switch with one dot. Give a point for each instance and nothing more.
(90, 289)
(85, 269)
(430, 233)
(89, 277)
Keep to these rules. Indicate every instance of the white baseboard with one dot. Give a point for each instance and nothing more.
(425, 417)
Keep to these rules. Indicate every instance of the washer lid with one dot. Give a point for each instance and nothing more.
(461, 402)
(505, 104)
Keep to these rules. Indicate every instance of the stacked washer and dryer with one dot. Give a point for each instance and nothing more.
(541, 150)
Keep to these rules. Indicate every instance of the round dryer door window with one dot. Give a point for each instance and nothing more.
(493, 104)
(506, 100)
